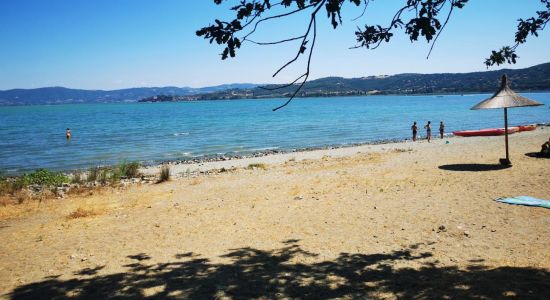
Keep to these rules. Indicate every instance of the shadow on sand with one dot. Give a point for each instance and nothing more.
(474, 167)
(253, 273)
(536, 155)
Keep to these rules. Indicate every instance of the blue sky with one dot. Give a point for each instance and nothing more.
(107, 44)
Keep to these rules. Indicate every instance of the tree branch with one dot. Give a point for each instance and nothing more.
(366, 2)
(275, 17)
(277, 42)
(304, 39)
(441, 30)
(282, 86)
(308, 63)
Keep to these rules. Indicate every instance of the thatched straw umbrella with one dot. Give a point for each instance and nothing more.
(505, 98)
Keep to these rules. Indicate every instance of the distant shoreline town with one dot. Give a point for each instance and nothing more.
(532, 79)
(237, 95)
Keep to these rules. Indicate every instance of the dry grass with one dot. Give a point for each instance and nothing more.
(5, 201)
(83, 191)
(22, 196)
(10, 187)
(23, 202)
(82, 213)
(164, 174)
(401, 150)
(257, 166)
(13, 210)
(229, 170)
(4, 188)
(45, 195)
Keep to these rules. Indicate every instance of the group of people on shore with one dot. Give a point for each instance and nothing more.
(428, 128)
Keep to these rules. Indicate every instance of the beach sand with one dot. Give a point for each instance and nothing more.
(401, 220)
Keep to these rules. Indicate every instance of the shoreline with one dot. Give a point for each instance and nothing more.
(274, 151)
(182, 168)
(276, 156)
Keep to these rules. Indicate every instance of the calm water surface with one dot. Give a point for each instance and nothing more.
(34, 136)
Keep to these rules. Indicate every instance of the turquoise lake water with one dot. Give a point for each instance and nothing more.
(33, 137)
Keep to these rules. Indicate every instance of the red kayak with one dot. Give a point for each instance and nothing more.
(486, 132)
(527, 127)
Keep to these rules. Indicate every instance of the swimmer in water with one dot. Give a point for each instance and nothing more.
(68, 134)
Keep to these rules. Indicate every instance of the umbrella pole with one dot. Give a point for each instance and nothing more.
(507, 160)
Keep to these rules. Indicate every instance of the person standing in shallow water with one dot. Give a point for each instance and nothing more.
(428, 131)
(441, 129)
(68, 134)
(414, 129)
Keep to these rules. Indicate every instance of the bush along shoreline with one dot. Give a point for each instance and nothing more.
(45, 184)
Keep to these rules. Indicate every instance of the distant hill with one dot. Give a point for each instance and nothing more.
(536, 78)
(61, 95)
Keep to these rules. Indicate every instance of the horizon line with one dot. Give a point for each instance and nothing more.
(260, 84)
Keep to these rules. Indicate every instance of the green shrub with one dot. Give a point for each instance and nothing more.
(103, 176)
(164, 174)
(77, 178)
(42, 177)
(115, 175)
(17, 185)
(93, 174)
(130, 170)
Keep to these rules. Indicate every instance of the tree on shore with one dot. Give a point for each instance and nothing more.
(419, 19)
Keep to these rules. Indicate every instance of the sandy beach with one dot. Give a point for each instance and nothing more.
(390, 221)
